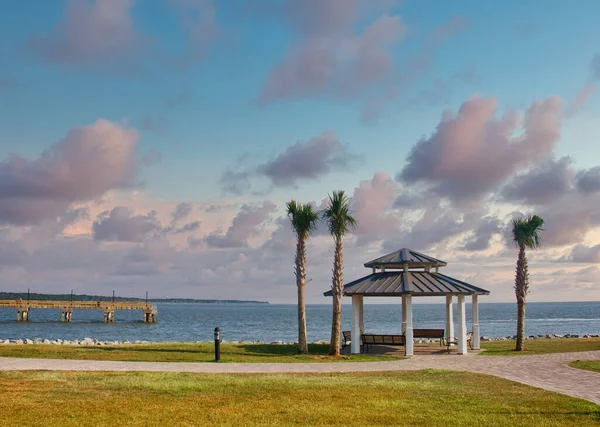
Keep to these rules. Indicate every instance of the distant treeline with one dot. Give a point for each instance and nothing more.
(67, 297)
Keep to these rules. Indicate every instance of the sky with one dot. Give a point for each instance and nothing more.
(152, 145)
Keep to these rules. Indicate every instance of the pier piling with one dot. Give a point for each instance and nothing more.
(149, 316)
(22, 315)
(66, 315)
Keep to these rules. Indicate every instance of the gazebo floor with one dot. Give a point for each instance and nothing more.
(418, 350)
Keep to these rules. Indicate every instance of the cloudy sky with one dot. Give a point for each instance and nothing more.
(152, 145)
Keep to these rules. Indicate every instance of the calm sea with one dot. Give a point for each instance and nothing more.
(273, 322)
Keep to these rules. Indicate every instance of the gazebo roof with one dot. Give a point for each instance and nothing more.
(405, 257)
(416, 283)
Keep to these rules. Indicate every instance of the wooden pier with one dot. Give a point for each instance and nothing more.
(67, 307)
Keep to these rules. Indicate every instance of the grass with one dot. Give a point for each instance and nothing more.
(257, 353)
(540, 346)
(430, 397)
(588, 365)
(184, 352)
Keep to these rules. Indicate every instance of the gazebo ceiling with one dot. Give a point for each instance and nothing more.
(416, 283)
(405, 257)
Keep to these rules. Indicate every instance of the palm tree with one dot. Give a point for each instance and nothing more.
(339, 221)
(304, 220)
(525, 236)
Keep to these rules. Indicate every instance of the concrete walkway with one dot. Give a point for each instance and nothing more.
(547, 371)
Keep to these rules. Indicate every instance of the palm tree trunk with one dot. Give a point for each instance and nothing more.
(337, 291)
(521, 289)
(301, 283)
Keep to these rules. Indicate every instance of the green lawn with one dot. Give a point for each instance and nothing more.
(246, 353)
(540, 346)
(433, 398)
(183, 352)
(588, 365)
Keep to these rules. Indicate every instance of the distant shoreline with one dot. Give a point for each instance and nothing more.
(84, 297)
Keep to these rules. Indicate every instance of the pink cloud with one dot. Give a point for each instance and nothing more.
(315, 17)
(329, 54)
(246, 224)
(564, 228)
(301, 161)
(181, 212)
(569, 219)
(283, 239)
(413, 69)
(308, 160)
(545, 183)
(90, 32)
(304, 71)
(437, 222)
(438, 34)
(472, 152)
(588, 180)
(250, 255)
(87, 163)
(153, 257)
(579, 102)
(371, 205)
(484, 229)
(121, 225)
(585, 254)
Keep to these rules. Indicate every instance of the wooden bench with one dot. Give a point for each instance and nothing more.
(454, 341)
(380, 339)
(346, 338)
(430, 333)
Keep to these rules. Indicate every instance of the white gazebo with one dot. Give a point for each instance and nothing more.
(406, 273)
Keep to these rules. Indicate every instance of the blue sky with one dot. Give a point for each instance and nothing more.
(190, 77)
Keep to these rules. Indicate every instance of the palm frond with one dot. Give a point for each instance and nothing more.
(337, 214)
(303, 218)
(526, 231)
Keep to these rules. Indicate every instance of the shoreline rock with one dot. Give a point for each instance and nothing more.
(95, 342)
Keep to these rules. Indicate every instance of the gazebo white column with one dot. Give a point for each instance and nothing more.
(403, 315)
(449, 318)
(361, 316)
(462, 326)
(476, 332)
(355, 333)
(409, 326)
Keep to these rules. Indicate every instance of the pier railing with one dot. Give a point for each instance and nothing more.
(109, 307)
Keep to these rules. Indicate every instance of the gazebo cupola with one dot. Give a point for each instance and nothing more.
(405, 259)
(407, 273)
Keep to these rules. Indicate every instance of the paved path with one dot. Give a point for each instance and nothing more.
(547, 371)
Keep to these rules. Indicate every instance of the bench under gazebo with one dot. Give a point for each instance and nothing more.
(406, 273)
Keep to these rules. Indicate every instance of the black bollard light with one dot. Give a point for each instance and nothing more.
(217, 344)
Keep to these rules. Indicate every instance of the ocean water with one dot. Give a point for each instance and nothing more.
(273, 322)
